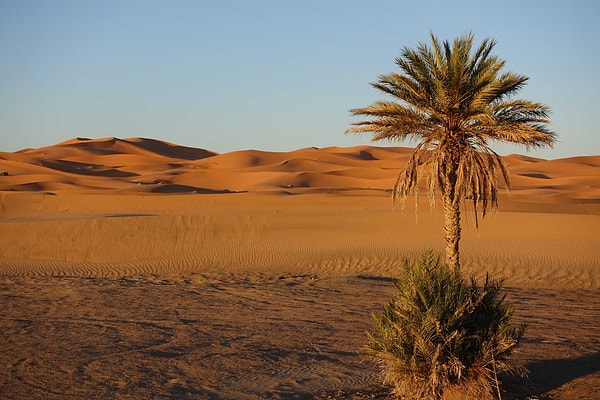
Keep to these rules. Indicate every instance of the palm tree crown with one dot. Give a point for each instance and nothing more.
(454, 101)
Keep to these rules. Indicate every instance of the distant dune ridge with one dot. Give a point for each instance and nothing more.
(153, 166)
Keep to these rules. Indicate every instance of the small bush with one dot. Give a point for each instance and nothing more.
(441, 334)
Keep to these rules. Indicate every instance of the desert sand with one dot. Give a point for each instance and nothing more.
(136, 268)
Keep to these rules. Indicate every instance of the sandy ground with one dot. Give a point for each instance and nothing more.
(140, 269)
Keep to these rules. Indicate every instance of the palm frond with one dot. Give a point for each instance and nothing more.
(456, 100)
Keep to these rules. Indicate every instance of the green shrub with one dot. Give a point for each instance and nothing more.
(442, 336)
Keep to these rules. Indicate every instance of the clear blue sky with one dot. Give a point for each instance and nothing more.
(269, 75)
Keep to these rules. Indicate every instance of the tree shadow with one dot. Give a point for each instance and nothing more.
(547, 375)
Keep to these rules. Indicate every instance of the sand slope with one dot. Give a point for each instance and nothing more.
(120, 235)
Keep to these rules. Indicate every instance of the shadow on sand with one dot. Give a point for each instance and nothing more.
(547, 375)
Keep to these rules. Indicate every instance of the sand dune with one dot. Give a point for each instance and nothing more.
(143, 165)
(123, 263)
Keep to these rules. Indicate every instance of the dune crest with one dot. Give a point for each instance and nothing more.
(141, 165)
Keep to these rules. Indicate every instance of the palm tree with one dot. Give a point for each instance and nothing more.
(454, 101)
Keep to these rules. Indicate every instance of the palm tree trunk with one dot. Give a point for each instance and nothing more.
(451, 226)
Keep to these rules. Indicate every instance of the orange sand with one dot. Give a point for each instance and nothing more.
(307, 227)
